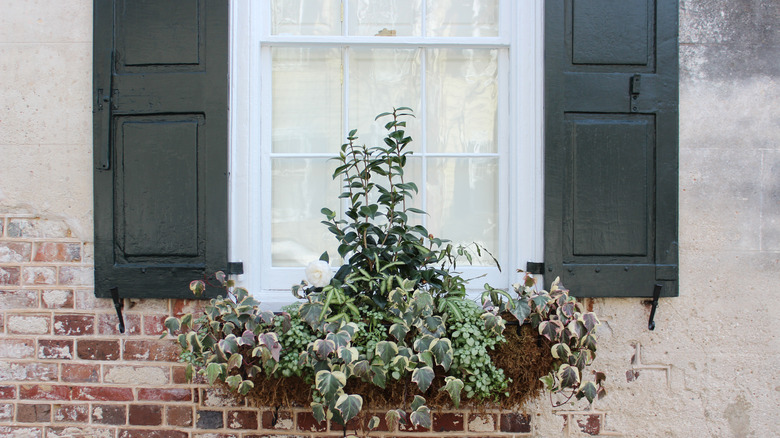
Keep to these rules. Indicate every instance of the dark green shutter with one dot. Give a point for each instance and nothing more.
(611, 146)
(160, 144)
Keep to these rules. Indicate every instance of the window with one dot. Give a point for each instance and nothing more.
(471, 71)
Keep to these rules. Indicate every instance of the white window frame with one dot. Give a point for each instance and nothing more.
(522, 184)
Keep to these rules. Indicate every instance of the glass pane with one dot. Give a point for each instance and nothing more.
(462, 96)
(462, 18)
(380, 80)
(307, 100)
(306, 17)
(385, 17)
(463, 203)
(301, 188)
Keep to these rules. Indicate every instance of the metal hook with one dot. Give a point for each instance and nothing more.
(118, 305)
(656, 295)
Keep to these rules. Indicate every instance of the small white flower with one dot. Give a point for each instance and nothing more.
(318, 273)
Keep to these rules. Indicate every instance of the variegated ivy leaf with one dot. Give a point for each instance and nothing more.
(434, 323)
(399, 330)
(423, 343)
(245, 387)
(272, 343)
(590, 320)
(540, 300)
(234, 382)
(329, 383)
(453, 386)
(421, 417)
(324, 347)
(340, 339)
(266, 316)
(394, 417)
(549, 382)
(310, 312)
(520, 310)
(568, 309)
(583, 359)
(247, 338)
(373, 423)
(576, 329)
(569, 376)
(350, 328)
(426, 357)
(397, 296)
(422, 302)
(318, 410)
(349, 406)
(493, 322)
(560, 351)
(182, 338)
(550, 329)
(349, 355)
(587, 390)
(386, 350)
(379, 375)
(235, 361)
(214, 371)
(254, 371)
(188, 371)
(423, 377)
(442, 352)
(194, 343)
(229, 344)
(417, 401)
(172, 324)
(401, 363)
(197, 287)
(361, 369)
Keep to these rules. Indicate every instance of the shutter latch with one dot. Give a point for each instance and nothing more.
(656, 295)
(636, 82)
(235, 268)
(536, 268)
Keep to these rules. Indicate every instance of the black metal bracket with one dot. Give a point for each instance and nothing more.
(656, 295)
(534, 268)
(235, 268)
(118, 305)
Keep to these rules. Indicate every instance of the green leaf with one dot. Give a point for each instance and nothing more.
(229, 345)
(324, 256)
(551, 329)
(349, 355)
(197, 287)
(399, 331)
(373, 423)
(587, 390)
(318, 410)
(395, 416)
(349, 406)
(453, 386)
(590, 320)
(560, 351)
(235, 361)
(324, 347)
(417, 402)
(361, 369)
(188, 371)
(569, 376)
(329, 383)
(272, 343)
(234, 382)
(245, 387)
(423, 377)
(310, 312)
(340, 339)
(520, 310)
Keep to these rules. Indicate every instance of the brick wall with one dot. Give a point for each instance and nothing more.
(65, 370)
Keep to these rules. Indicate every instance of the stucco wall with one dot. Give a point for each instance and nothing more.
(707, 370)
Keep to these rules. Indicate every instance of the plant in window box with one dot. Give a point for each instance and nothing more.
(394, 319)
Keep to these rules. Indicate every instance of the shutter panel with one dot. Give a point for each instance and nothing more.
(160, 144)
(611, 146)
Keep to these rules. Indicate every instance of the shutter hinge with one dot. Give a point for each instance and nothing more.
(235, 268)
(636, 82)
(536, 268)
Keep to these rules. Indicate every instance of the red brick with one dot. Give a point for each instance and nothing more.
(71, 413)
(17, 348)
(590, 424)
(9, 275)
(108, 324)
(242, 419)
(57, 299)
(55, 349)
(109, 414)
(15, 252)
(164, 350)
(277, 420)
(180, 307)
(102, 393)
(214, 435)
(74, 325)
(7, 392)
(44, 392)
(18, 299)
(28, 371)
(80, 373)
(154, 324)
(33, 413)
(482, 422)
(37, 228)
(145, 415)
(39, 275)
(57, 252)
(21, 431)
(448, 422)
(515, 422)
(76, 276)
(92, 349)
(32, 324)
(179, 375)
(307, 422)
(173, 394)
(179, 415)
(6, 412)
(2, 322)
(146, 433)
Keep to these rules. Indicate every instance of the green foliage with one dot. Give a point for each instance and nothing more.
(394, 310)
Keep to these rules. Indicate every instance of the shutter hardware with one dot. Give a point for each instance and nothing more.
(235, 268)
(534, 268)
(656, 295)
(118, 305)
(636, 82)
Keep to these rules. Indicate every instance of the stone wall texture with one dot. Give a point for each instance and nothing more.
(708, 370)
